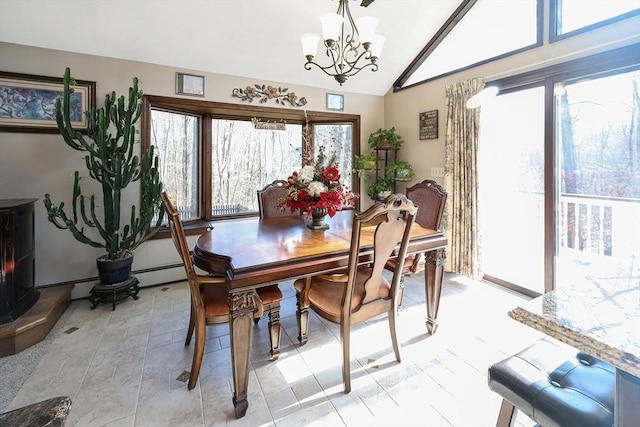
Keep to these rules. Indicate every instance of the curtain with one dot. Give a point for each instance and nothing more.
(461, 178)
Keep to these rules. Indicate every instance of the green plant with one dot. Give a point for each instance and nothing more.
(400, 171)
(385, 138)
(378, 186)
(110, 160)
(364, 162)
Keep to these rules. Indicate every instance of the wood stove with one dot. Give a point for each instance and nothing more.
(17, 260)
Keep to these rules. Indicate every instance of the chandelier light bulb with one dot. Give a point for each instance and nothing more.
(367, 28)
(376, 46)
(331, 26)
(309, 45)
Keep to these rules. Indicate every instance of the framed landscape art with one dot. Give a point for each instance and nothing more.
(27, 102)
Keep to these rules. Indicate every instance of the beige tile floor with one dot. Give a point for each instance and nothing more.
(121, 367)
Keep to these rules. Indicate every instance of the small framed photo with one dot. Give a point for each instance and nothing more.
(189, 84)
(429, 125)
(335, 102)
(27, 103)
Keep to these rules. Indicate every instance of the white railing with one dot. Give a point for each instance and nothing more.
(600, 225)
(189, 212)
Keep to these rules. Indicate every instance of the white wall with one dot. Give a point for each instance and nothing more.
(34, 164)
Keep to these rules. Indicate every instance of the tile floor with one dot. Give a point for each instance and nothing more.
(122, 368)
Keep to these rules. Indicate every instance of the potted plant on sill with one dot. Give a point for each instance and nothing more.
(400, 171)
(365, 162)
(109, 145)
(380, 188)
(385, 138)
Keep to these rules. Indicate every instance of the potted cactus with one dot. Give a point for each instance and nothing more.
(109, 145)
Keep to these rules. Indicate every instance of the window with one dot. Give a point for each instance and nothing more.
(176, 137)
(484, 30)
(574, 15)
(245, 159)
(213, 156)
(337, 138)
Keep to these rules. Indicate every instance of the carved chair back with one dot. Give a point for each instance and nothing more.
(269, 198)
(430, 198)
(362, 292)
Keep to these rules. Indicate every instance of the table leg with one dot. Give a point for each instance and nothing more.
(433, 272)
(242, 306)
(627, 411)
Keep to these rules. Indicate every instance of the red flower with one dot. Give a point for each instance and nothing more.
(332, 201)
(321, 189)
(330, 174)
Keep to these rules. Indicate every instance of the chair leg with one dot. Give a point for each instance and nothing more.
(198, 351)
(187, 341)
(275, 330)
(392, 329)
(400, 293)
(345, 338)
(507, 415)
(302, 316)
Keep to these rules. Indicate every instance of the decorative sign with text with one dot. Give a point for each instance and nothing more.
(429, 125)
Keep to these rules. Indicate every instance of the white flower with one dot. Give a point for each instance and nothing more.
(306, 173)
(315, 188)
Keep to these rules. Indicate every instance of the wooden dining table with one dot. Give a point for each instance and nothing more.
(252, 252)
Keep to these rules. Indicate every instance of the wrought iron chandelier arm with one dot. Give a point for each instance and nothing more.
(343, 49)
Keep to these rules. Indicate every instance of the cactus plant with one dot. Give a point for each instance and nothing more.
(110, 160)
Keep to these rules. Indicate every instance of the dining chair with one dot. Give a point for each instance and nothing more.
(430, 198)
(268, 201)
(269, 198)
(362, 292)
(209, 296)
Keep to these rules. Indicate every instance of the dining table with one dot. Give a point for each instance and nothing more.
(603, 320)
(253, 252)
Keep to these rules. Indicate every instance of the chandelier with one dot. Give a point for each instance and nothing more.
(351, 46)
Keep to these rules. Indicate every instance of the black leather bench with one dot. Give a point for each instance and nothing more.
(554, 385)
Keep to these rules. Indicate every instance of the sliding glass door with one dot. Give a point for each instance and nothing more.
(511, 189)
(559, 181)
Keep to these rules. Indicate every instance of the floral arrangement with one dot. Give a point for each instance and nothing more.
(317, 186)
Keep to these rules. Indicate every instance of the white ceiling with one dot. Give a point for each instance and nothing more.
(257, 39)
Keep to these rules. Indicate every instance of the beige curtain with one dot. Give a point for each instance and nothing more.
(461, 178)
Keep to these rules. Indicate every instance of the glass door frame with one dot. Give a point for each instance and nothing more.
(614, 61)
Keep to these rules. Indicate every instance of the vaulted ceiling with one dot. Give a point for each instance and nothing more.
(257, 39)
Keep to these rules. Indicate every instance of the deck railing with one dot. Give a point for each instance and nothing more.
(600, 225)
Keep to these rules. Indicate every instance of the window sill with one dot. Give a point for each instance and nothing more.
(191, 229)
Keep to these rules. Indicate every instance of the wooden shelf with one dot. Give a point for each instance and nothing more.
(34, 325)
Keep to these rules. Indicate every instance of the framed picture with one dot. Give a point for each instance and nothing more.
(27, 102)
(335, 102)
(429, 125)
(189, 84)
